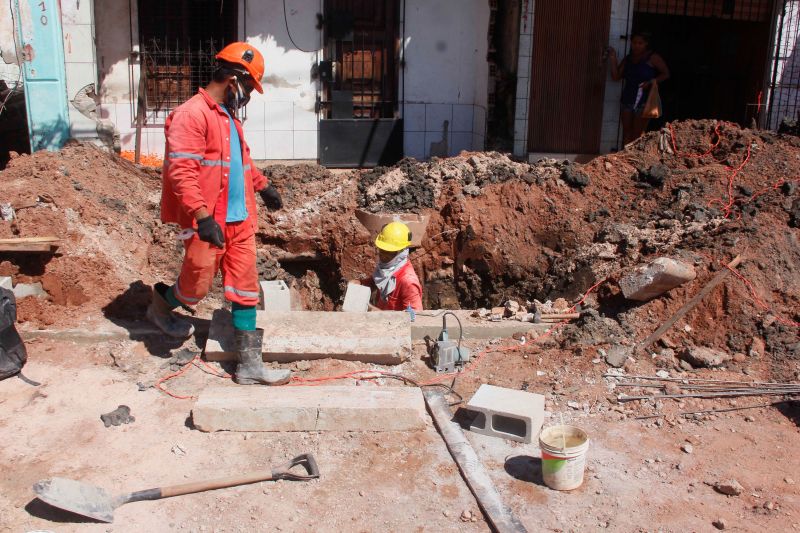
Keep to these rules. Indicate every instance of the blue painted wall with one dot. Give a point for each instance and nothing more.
(38, 26)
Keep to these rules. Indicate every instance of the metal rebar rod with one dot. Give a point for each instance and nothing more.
(652, 378)
(623, 398)
(711, 387)
(711, 411)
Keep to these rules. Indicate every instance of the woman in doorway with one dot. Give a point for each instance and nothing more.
(641, 69)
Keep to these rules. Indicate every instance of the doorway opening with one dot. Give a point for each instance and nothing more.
(717, 52)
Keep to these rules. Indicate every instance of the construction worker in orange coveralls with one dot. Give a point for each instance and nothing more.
(397, 284)
(209, 185)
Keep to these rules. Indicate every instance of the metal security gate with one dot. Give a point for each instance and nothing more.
(360, 83)
(783, 90)
(178, 40)
(568, 75)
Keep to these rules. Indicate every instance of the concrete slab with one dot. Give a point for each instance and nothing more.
(275, 296)
(381, 338)
(430, 323)
(332, 408)
(5, 282)
(507, 413)
(356, 299)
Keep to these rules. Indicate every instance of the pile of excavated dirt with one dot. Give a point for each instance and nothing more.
(499, 229)
(105, 211)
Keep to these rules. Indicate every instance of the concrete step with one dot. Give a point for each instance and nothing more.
(323, 408)
(382, 338)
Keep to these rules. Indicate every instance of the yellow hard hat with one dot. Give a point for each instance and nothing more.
(394, 237)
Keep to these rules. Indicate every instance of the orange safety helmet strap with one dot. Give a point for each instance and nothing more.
(247, 56)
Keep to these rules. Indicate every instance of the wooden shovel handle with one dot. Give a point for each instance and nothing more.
(281, 472)
(220, 483)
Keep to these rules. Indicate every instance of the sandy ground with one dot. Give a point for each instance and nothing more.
(638, 478)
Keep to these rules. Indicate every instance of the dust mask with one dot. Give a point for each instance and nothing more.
(237, 98)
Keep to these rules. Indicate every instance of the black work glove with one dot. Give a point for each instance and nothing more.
(209, 231)
(271, 197)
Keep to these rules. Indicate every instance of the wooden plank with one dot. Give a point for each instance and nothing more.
(688, 306)
(381, 338)
(499, 516)
(30, 244)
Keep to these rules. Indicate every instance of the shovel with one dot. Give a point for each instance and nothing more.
(95, 502)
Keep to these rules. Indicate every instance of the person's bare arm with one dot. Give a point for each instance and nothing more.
(617, 67)
(661, 68)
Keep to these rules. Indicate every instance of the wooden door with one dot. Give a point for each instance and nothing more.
(568, 75)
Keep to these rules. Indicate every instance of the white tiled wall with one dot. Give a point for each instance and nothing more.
(79, 62)
(423, 125)
(619, 27)
(523, 78)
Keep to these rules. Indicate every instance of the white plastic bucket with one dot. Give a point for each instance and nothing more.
(563, 456)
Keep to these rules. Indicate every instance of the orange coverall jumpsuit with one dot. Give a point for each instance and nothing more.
(195, 175)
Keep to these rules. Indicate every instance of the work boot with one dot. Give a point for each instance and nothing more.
(251, 369)
(159, 313)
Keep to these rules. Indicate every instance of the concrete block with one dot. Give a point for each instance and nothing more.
(356, 299)
(382, 338)
(648, 281)
(507, 413)
(334, 408)
(275, 296)
(5, 282)
(23, 290)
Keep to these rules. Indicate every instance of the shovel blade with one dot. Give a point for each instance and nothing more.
(76, 497)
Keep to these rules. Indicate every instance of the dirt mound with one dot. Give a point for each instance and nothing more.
(699, 191)
(104, 209)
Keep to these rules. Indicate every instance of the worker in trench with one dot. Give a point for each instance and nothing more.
(394, 279)
(209, 185)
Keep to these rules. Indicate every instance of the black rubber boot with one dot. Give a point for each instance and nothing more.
(162, 316)
(251, 369)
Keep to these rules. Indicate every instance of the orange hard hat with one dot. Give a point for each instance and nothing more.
(246, 56)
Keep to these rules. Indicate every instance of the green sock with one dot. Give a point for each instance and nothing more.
(244, 317)
(169, 296)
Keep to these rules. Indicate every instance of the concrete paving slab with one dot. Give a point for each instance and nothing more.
(324, 408)
(275, 296)
(430, 323)
(507, 413)
(356, 299)
(381, 338)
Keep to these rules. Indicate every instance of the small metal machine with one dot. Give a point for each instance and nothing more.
(447, 355)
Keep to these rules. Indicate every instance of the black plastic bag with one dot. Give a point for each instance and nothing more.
(12, 350)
